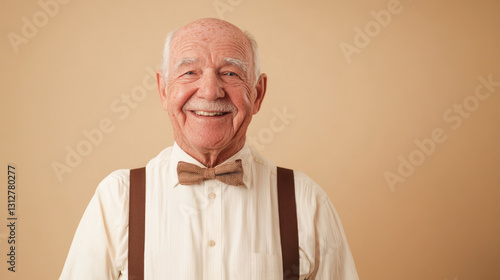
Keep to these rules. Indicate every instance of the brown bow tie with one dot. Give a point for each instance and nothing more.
(230, 173)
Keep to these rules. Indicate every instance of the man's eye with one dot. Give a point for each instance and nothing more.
(189, 73)
(230, 74)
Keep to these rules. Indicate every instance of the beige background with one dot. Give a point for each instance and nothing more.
(355, 120)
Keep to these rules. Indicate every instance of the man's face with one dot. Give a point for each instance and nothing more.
(211, 92)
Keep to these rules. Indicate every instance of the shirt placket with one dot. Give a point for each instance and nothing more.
(213, 236)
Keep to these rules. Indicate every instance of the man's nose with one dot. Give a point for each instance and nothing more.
(211, 87)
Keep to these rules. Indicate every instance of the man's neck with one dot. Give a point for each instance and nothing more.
(211, 157)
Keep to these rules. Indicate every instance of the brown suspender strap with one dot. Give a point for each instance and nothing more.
(136, 224)
(288, 224)
(287, 217)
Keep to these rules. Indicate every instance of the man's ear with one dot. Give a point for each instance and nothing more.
(162, 87)
(260, 87)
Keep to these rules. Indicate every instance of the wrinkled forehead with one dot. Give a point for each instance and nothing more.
(211, 35)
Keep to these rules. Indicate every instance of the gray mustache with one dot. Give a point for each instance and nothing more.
(218, 105)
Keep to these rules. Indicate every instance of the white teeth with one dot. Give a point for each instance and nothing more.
(208, 114)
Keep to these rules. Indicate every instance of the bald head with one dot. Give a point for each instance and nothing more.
(207, 31)
(207, 28)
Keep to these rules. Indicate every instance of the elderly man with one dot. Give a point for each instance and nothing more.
(212, 209)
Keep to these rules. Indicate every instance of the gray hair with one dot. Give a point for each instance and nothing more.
(168, 45)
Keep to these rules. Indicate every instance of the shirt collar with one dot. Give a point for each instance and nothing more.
(245, 154)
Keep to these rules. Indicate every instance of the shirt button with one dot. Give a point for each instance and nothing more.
(211, 195)
(211, 243)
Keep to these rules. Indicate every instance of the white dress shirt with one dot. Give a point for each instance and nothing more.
(210, 230)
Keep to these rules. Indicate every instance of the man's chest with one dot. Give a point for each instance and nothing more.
(218, 231)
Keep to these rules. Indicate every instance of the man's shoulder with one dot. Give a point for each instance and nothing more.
(120, 178)
(305, 186)
(117, 180)
(307, 189)
(112, 192)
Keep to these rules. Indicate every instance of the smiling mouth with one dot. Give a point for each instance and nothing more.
(209, 114)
